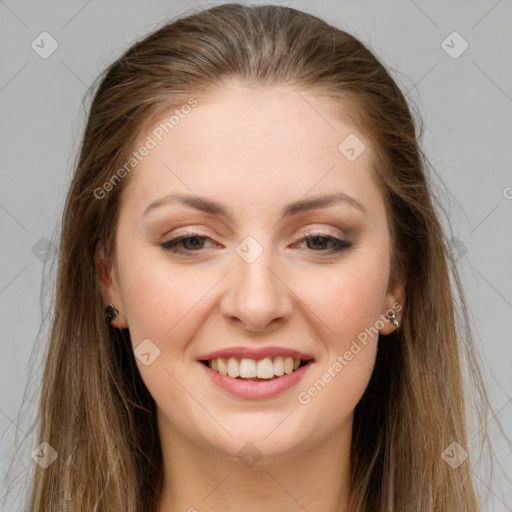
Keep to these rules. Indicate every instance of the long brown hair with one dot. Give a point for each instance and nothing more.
(95, 410)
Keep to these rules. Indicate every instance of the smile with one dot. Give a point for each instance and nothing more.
(256, 373)
(262, 369)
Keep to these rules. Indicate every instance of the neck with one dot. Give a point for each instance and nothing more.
(197, 479)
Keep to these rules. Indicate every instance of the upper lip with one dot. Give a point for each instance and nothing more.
(255, 353)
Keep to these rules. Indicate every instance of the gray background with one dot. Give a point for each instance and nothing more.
(466, 103)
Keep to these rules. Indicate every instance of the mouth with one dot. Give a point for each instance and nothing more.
(247, 369)
(256, 373)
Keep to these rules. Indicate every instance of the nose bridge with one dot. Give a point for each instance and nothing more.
(256, 295)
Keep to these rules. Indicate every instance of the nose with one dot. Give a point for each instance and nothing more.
(257, 295)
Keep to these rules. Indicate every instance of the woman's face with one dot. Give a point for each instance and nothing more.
(271, 270)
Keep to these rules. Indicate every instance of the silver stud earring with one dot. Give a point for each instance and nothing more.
(395, 320)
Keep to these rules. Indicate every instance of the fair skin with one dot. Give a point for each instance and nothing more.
(253, 151)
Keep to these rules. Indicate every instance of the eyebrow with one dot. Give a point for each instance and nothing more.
(207, 205)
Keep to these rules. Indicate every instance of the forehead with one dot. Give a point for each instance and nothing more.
(243, 144)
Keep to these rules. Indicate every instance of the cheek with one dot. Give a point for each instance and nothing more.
(162, 304)
(157, 296)
(347, 299)
(349, 305)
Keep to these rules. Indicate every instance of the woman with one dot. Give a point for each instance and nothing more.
(253, 309)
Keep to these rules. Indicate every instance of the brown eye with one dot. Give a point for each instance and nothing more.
(192, 242)
(319, 242)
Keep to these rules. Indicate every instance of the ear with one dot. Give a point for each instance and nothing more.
(394, 303)
(109, 287)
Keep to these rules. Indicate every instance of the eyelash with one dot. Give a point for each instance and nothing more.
(339, 244)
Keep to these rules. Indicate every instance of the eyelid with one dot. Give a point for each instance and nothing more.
(321, 231)
(190, 232)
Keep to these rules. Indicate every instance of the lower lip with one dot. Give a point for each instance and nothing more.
(256, 389)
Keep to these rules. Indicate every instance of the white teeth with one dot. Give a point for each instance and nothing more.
(233, 367)
(246, 368)
(278, 366)
(223, 367)
(265, 369)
